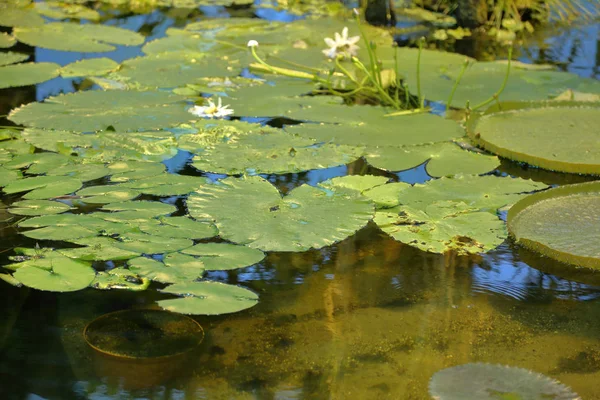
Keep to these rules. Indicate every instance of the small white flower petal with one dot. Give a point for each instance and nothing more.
(338, 38)
(252, 43)
(345, 33)
(330, 42)
(353, 39)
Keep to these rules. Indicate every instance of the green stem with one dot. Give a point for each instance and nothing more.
(381, 91)
(502, 87)
(421, 99)
(284, 71)
(369, 48)
(457, 82)
(345, 71)
(409, 112)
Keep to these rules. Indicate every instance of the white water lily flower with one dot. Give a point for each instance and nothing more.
(342, 45)
(212, 110)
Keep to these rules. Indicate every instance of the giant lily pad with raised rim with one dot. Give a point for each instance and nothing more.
(561, 136)
(252, 212)
(480, 381)
(86, 38)
(562, 223)
(208, 298)
(121, 110)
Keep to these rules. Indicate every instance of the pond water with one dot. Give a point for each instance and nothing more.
(365, 318)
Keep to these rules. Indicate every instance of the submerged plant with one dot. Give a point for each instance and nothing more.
(480, 381)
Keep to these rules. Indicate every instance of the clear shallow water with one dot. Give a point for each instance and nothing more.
(368, 318)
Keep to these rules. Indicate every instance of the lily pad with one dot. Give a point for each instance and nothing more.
(13, 16)
(44, 187)
(167, 184)
(149, 244)
(173, 69)
(121, 110)
(63, 232)
(157, 271)
(57, 10)
(208, 298)
(224, 256)
(119, 278)
(377, 130)
(11, 57)
(98, 249)
(273, 152)
(552, 136)
(89, 67)
(479, 381)
(181, 227)
(561, 223)
(149, 208)
(360, 183)
(7, 40)
(252, 212)
(443, 159)
(449, 214)
(37, 207)
(106, 194)
(64, 275)
(86, 38)
(27, 74)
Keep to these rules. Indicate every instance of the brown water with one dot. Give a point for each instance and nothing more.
(368, 318)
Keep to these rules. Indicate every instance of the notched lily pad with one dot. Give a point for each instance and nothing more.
(116, 110)
(61, 275)
(251, 211)
(86, 38)
(562, 223)
(224, 256)
(208, 298)
(27, 74)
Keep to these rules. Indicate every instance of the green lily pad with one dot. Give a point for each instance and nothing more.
(6, 41)
(149, 208)
(27, 74)
(439, 71)
(11, 57)
(181, 227)
(131, 170)
(119, 278)
(552, 136)
(86, 38)
(224, 256)
(57, 10)
(63, 232)
(89, 67)
(273, 152)
(7, 176)
(65, 275)
(44, 187)
(377, 130)
(159, 272)
(98, 249)
(106, 194)
(122, 110)
(13, 16)
(386, 196)
(449, 214)
(173, 69)
(360, 183)
(37, 207)
(208, 298)
(561, 223)
(443, 159)
(251, 211)
(167, 184)
(148, 244)
(443, 227)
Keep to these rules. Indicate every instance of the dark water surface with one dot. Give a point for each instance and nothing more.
(368, 318)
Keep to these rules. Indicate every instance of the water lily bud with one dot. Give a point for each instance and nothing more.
(355, 10)
(252, 43)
